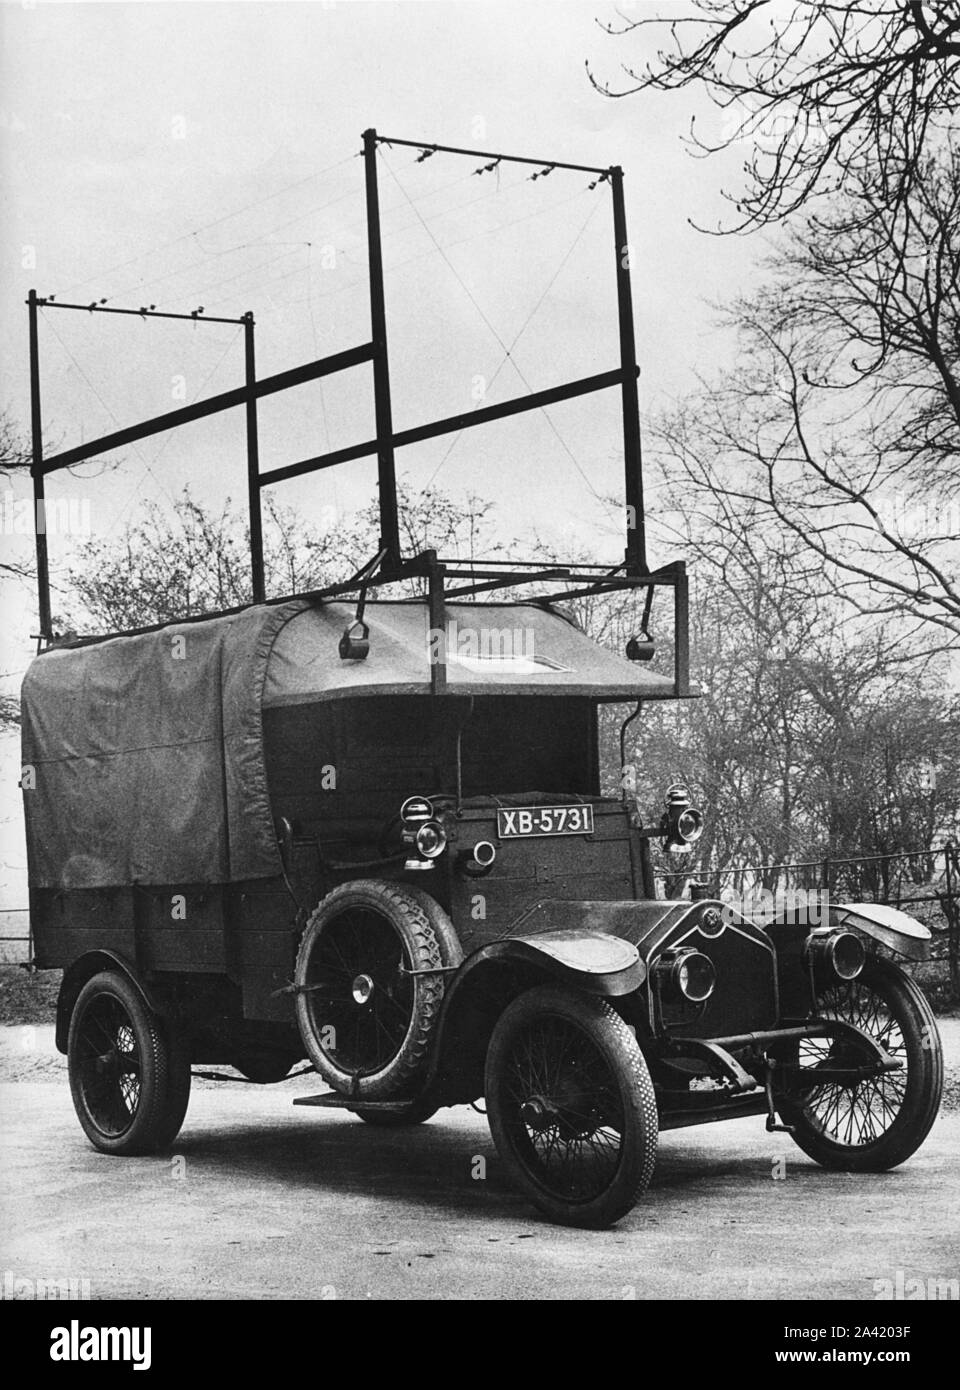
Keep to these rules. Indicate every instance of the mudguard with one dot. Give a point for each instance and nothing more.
(590, 960)
(888, 925)
(76, 976)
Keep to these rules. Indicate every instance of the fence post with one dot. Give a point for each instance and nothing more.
(951, 910)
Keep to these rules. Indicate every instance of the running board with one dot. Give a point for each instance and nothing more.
(331, 1100)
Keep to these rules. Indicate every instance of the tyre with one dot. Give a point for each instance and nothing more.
(392, 1119)
(877, 1122)
(130, 1082)
(571, 1106)
(370, 982)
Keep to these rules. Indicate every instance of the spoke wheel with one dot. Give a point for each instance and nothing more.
(130, 1087)
(571, 1106)
(876, 1122)
(370, 987)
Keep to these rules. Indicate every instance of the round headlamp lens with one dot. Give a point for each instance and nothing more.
(696, 977)
(430, 839)
(689, 825)
(849, 956)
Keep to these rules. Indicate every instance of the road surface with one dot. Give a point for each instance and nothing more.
(261, 1199)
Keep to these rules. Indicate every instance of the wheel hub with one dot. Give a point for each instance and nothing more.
(538, 1113)
(362, 989)
(107, 1063)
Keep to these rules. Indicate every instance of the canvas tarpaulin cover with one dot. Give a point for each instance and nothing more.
(490, 649)
(144, 756)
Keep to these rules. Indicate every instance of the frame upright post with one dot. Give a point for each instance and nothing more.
(636, 552)
(36, 470)
(438, 623)
(253, 463)
(681, 631)
(386, 466)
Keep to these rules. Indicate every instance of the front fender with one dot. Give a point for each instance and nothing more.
(888, 925)
(592, 961)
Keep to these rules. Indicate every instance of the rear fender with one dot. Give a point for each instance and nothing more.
(76, 976)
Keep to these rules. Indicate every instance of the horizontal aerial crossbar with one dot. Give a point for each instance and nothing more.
(197, 316)
(296, 376)
(490, 154)
(535, 401)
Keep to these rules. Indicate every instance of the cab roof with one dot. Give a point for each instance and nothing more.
(489, 649)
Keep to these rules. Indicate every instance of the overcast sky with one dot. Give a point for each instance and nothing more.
(205, 154)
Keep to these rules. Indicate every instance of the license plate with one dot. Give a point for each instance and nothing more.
(544, 820)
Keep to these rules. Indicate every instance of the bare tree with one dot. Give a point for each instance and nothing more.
(808, 742)
(814, 86)
(15, 454)
(840, 421)
(195, 560)
(15, 458)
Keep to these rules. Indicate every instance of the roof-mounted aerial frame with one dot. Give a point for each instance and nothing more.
(391, 565)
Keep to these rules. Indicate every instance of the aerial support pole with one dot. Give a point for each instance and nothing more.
(39, 503)
(253, 464)
(636, 553)
(386, 467)
(437, 641)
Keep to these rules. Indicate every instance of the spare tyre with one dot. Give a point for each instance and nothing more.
(369, 982)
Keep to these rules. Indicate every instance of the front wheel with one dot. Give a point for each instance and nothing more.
(130, 1082)
(877, 1122)
(571, 1106)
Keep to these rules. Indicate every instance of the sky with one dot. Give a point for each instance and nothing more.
(205, 153)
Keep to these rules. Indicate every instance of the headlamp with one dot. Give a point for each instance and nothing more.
(681, 824)
(683, 973)
(422, 831)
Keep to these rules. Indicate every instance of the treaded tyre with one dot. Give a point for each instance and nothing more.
(129, 1080)
(571, 1106)
(880, 1121)
(370, 983)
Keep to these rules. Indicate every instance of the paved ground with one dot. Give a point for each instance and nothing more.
(265, 1200)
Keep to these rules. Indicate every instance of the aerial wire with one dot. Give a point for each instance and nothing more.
(493, 330)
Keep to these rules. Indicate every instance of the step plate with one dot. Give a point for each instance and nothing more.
(330, 1100)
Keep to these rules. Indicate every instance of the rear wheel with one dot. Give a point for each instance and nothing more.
(571, 1106)
(370, 982)
(877, 1122)
(129, 1080)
